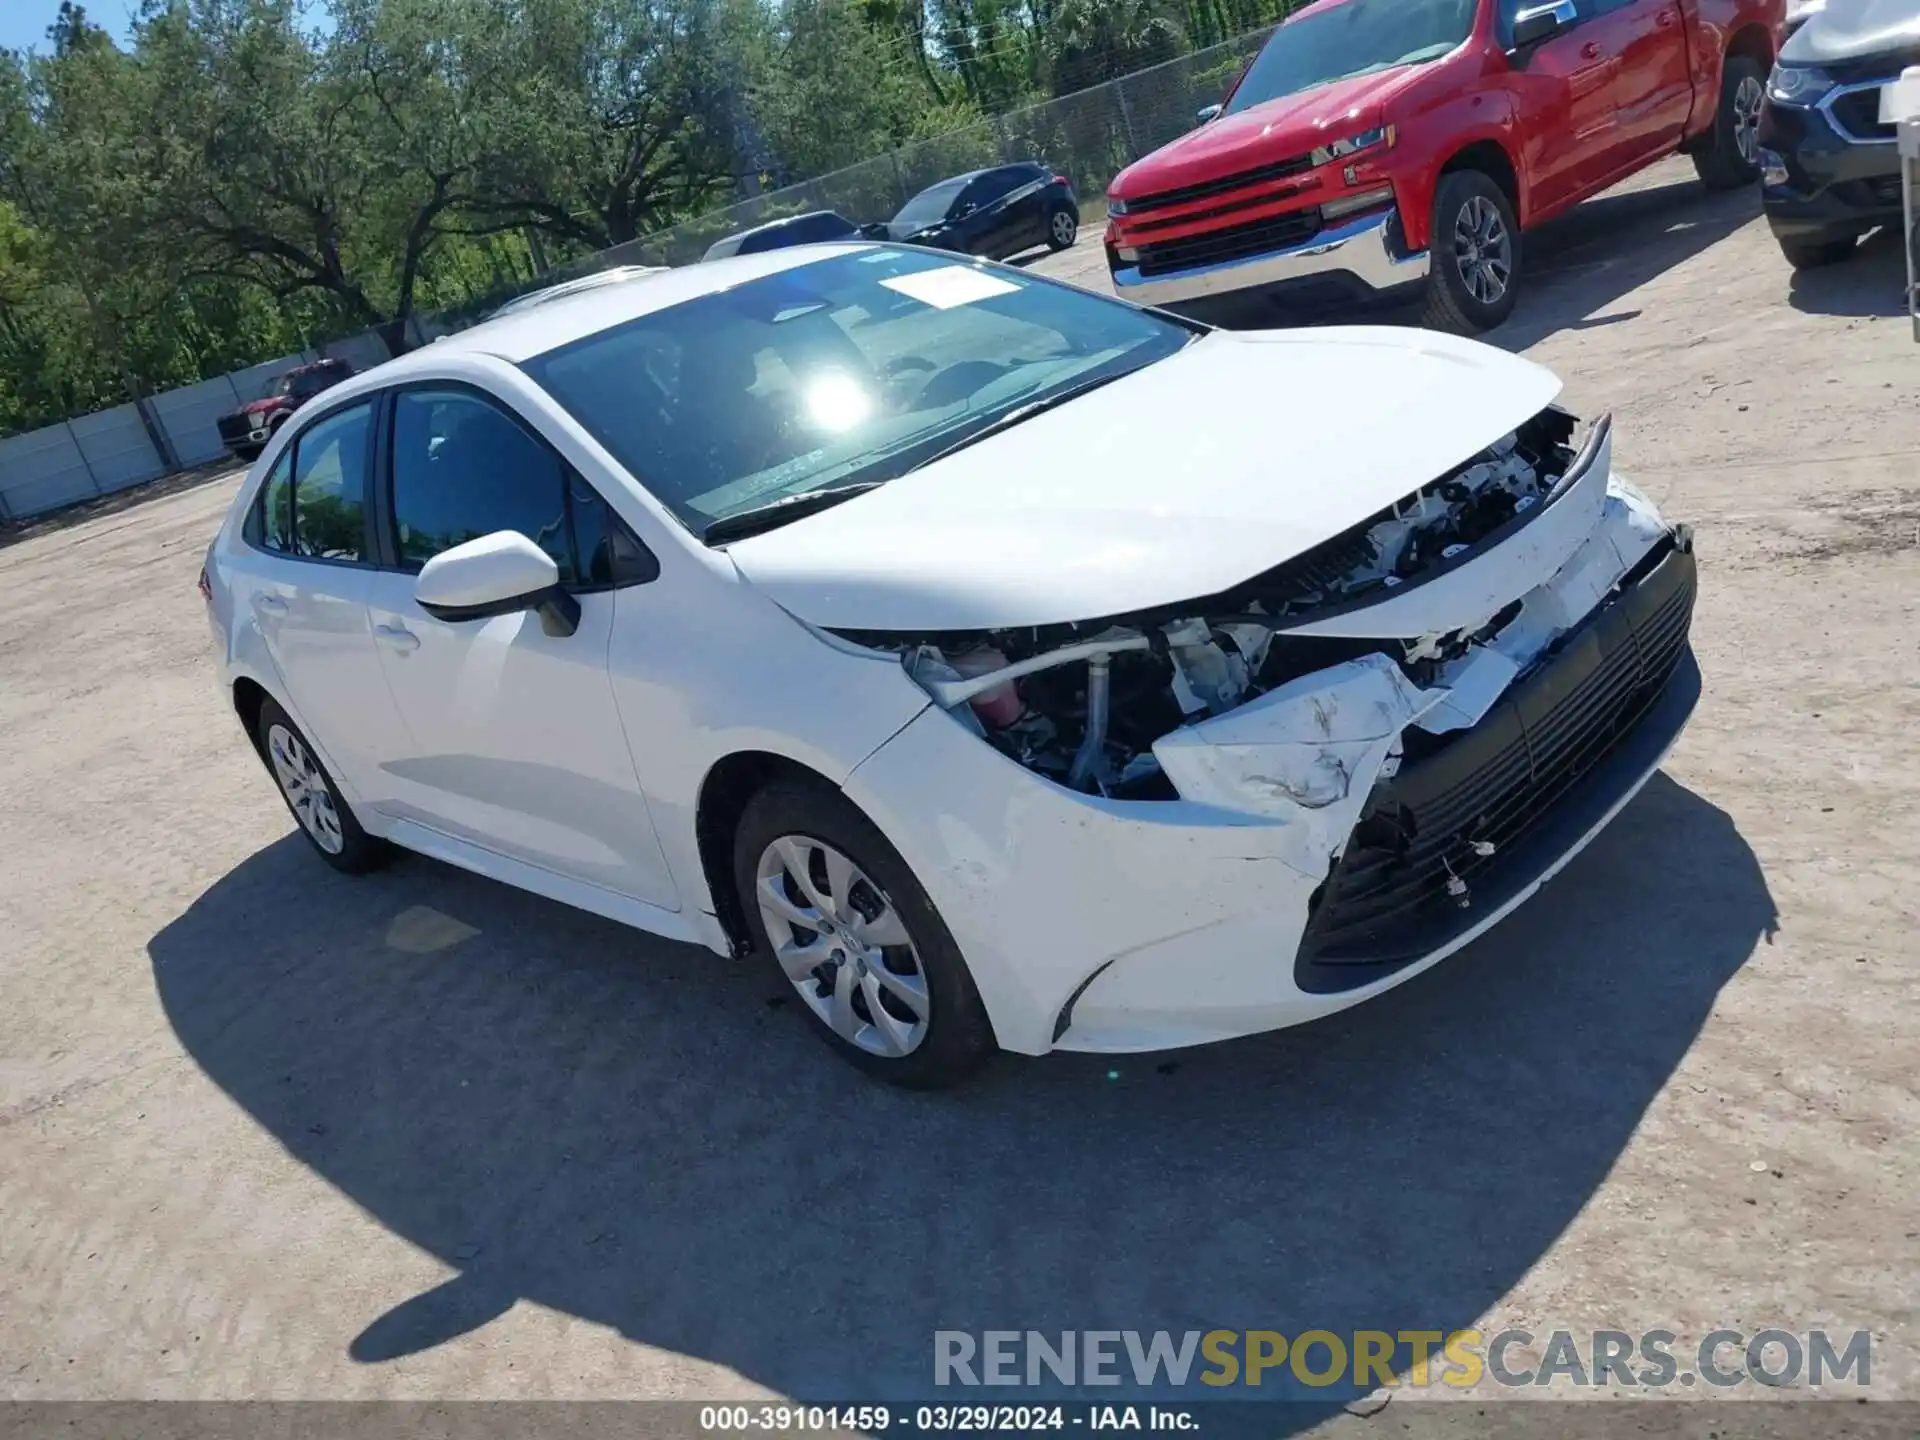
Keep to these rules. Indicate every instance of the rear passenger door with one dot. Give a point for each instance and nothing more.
(307, 578)
(1653, 86)
(514, 743)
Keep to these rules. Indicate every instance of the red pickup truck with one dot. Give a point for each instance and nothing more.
(1378, 146)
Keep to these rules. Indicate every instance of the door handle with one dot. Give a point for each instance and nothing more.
(1590, 50)
(269, 604)
(1666, 18)
(398, 637)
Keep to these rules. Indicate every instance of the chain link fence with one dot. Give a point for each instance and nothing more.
(1089, 136)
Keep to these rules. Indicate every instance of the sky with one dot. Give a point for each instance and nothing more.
(23, 23)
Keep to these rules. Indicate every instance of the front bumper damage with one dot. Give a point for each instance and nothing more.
(1338, 834)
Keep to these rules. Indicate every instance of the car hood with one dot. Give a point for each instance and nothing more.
(1854, 30)
(1291, 125)
(1182, 480)
(270, 402)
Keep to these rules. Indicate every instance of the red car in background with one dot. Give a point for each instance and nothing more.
(245, 431)
(1380, 147)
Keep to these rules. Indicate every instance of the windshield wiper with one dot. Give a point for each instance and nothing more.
(778, 512)
(1013, 417)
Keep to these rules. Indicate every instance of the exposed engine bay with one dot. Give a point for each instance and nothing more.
(1084, 703)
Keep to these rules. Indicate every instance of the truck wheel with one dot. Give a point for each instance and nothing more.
(1475, 251)
(1729, 155)
(1812, 254)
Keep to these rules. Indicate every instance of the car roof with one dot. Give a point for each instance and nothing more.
(560, 320)
(791, 220)
(598, 279)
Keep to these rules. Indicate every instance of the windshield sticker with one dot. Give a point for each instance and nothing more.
(950, 286)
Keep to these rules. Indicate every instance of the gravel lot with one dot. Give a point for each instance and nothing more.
(266, 1131)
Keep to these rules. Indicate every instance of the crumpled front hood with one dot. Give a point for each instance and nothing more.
(1184, 480)
(1854, 30)
(1264, 134)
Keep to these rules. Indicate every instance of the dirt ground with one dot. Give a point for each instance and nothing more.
(269, 1132)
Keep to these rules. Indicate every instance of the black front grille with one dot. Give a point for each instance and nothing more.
(1858, 112)
(1278, 170)
(1443, 827)
(234, 428)
(1234, 242)
(1885, 189)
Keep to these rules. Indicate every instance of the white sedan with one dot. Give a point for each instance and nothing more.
(1009, 666)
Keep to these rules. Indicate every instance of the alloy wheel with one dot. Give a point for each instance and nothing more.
(838, 938)
(1483, 250)
(1065, 228)
(1747, 98)
(305, 788)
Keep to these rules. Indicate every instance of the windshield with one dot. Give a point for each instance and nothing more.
(846, 370)
(929, 207)
(1355, 38)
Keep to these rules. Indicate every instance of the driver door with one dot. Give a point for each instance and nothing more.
(514, 743)
(1563, 90)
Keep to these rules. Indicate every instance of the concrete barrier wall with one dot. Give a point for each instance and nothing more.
(42, 470)
(190, 417)
(117, 448)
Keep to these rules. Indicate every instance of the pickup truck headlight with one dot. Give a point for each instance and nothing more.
(1798, 84)
(1381, 137)
(1116, 206)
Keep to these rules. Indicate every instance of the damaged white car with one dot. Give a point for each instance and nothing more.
(1006, 665)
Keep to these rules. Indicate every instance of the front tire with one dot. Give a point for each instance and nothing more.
(1813, 254)
(1063, 228)
(1474, 247)
(1729, 158)
(850, 931)
(313, 799)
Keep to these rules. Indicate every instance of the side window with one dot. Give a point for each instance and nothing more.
(330, 487)
(462, 469)
(271, 524)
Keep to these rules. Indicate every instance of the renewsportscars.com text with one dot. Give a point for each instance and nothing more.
(1461, 1359)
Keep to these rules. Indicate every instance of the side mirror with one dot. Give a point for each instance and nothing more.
(497, 574)
(1540, 23)
(876, 231)
(962, 210)
(1207, 114)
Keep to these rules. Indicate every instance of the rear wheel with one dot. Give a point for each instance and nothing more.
(318, 808)
(855, 937)
(1729, 157)
(1063, 228)
(1812, 254)
(1475, 255)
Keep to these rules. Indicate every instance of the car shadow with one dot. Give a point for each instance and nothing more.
(1582, 262)
(1871, 281)
(1577, 265)
(643, 1135)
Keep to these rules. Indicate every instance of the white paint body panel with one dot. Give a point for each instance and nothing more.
(573, 766)
(1183, 480)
